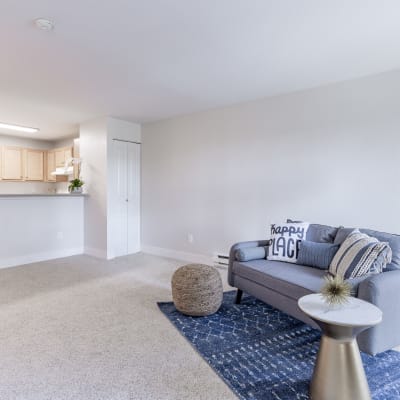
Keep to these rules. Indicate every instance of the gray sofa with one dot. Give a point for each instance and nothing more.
(281, 284)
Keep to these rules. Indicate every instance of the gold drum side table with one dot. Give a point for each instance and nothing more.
(339, 373)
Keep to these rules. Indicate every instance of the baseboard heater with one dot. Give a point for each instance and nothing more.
(221, 260)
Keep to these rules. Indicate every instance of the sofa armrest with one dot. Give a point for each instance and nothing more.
(382, 290)
(242, 245)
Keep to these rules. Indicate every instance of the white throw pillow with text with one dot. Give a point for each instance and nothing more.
(285, 241)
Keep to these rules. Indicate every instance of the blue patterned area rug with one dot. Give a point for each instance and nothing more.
(262, 353)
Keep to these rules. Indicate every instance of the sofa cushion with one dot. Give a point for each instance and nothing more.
(250, 253)
(392, 239)
(291, 279)
(317, 255)
(320, 233)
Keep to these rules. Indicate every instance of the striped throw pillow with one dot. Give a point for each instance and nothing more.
(360, 255)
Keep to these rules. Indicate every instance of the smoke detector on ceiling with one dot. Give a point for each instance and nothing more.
(44, 24)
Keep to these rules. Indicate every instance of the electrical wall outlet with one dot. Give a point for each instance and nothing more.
(190, 238)
(60, 235)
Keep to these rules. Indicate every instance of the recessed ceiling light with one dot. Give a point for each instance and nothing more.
(19, 128)
(44, 24)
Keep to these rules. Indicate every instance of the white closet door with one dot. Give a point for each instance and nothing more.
(120, 203)
(133, 189)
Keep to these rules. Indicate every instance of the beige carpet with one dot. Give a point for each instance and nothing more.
(82, 329)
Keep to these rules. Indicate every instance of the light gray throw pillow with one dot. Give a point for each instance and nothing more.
(250, 253)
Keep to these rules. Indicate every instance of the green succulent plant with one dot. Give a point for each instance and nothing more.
(75, 183)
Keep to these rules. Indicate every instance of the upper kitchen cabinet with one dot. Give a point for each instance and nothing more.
(34, 165)
(51, 166)
(68, 153)
(12, 163)
(62, 155)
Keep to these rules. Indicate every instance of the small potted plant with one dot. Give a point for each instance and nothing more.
(75, 186)
(76, 183)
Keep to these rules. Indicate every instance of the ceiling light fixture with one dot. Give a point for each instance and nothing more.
(18, 128)
(44, 24)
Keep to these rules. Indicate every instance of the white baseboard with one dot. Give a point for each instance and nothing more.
(98, 253)
(38, 257)
(178, 255)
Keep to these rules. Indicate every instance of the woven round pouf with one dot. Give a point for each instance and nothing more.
(197, 290)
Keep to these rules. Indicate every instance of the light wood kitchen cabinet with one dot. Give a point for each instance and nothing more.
(12, 163)
(59, 158)
(51, 166)
(34, 165)
(68, 153)
(62, 155)
(24, 164)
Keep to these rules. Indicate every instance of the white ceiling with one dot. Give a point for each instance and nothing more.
(151, 59)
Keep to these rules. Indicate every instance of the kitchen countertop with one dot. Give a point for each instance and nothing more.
(43, 195)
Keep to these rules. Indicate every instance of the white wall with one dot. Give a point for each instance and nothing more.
(6, 140)
(97, 162)
(327, 155)
(39, 228)
(123, 130)
(68, 142)
(93, 151)
(26, 187)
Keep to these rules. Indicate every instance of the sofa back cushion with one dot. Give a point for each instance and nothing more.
(320, 233)
(392, 239)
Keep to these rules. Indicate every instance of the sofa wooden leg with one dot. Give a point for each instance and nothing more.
(239, 294)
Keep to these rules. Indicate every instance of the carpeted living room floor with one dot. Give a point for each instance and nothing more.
(85, 329)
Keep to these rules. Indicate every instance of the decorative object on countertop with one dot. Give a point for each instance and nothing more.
(336, 291)
(75, 186)
(262, 353)
(197, 289)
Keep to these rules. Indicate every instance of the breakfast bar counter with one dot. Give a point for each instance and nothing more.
(40, 226)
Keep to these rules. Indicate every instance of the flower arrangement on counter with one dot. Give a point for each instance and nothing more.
(75, 186)
(76, 183)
